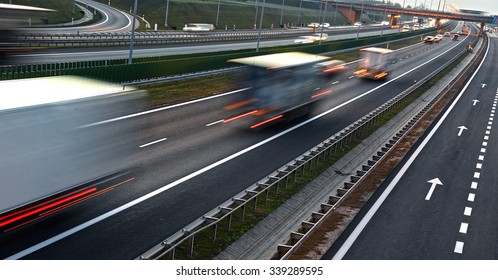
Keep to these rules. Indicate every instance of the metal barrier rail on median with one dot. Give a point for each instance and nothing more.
(296, 239)
(147, 38)
(248, 199)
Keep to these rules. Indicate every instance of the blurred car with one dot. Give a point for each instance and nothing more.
(455, 37)
(447, 34)
(428, 39)
(320, 36)
(325, 24)
(437, 38)
(305, 40)
(313, 24)
(406, 27)
(385, 23)
(357, 23)
(330, 67)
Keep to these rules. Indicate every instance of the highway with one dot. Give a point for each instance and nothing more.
(441, 203)
(113, 20)
(181, 161)
(55, 55)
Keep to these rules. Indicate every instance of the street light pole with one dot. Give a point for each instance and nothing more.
(166, 17)
(359, 26)
(299, 14)
(256, 13)
(132, 38)
(260, 25)
(385, 15)
(282, 12)
(72, 7)
(218, 12)
(323, 21)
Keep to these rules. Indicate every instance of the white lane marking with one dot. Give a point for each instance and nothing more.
(152, 143)
(210, 124)
(492, 115)
(459, 247)
(488, 127)
(473, 185)
(488, 132)
(461, 129)
(351, 77)
(484, 144)
(356, 232)
(129, 22)
(479, 165)
(163, 108)
(471, 197)
(463, 228)
(434, 182)
(490, 123)
(477, 175)
(481, 157)
(335, 83)
(483, 150)
(468, 211)
(132, 203)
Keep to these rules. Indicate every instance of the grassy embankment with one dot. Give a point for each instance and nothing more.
(61, 15)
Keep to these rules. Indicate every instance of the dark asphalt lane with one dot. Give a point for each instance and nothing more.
(190, 146)
(458, 221)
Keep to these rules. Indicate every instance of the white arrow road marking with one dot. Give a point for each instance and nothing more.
(462, 128)
(483, 85)
(434, 182)
(475, 101)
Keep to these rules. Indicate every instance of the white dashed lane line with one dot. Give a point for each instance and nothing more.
(152, 143)
(479, 165)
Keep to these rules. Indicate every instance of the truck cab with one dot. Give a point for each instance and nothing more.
(375, 63)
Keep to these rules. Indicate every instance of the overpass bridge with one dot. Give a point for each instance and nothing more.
(353, 12)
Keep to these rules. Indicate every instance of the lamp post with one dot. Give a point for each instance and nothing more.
(385, 15)
(132, 38)
(399, 25)
(299, 13)
(218, 12)
(166, 17)
(282, 12)
(323, 21)
(359, 26)
(256, 13)
(260, 25)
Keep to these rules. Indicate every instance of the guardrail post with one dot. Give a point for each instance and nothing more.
(190, 246)
(242, 208)
(255, 198)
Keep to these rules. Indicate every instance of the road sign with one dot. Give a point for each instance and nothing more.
(495, 19)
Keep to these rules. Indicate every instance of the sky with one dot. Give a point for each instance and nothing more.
(490, 6)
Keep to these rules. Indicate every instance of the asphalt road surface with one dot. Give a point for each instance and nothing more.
(182, 161)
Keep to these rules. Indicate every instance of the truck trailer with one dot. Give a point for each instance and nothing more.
(375, 63)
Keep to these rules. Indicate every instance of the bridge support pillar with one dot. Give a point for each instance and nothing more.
(393, 20)
(438, 23)
(352, 15)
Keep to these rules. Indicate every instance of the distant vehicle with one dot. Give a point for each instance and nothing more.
(406, 27)
(311, 38)
(385, 23)
(438, 38)
(320, 36)
(447, 34)
(331, 67)
(305, 40)
(284, 86)
(313, 24)
(428, 39)
(357, 23)
(416, 26)
(198, 27)
(415, 19)
(455, 37)
(325, 24)
(465, 30)
(374, 63)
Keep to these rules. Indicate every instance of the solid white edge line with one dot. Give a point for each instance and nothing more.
(162, 108)
(459, 247)
(132, 203)
(359, 228)
(153, 142)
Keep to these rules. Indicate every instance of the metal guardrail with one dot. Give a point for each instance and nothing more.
(150, 38)
(238, 205)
